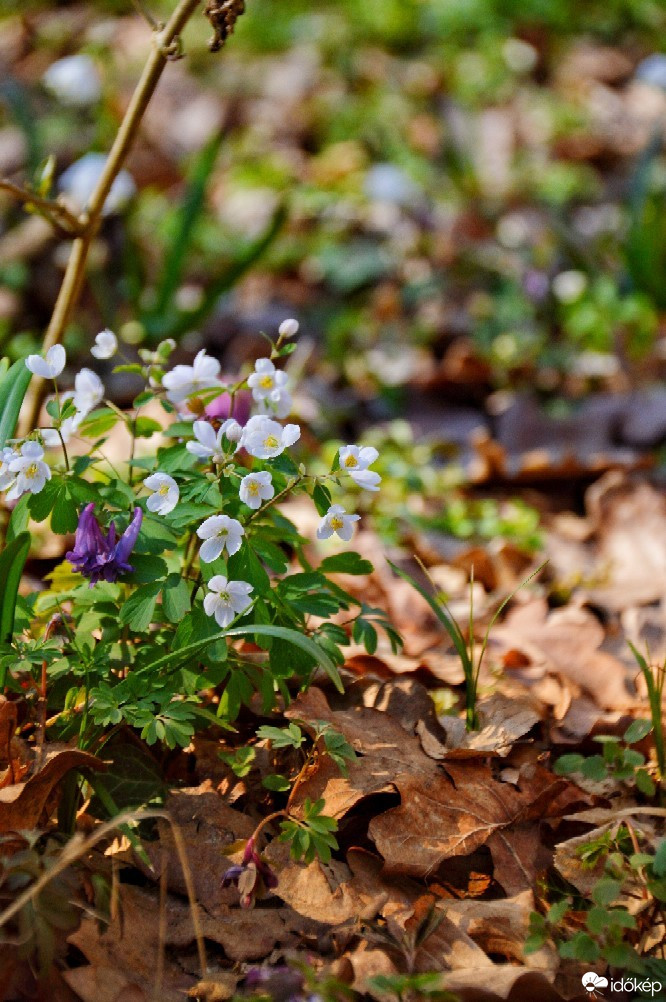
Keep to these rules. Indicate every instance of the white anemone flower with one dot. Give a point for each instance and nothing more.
(219, 532)
(88, 391)
(106, 345)
(355, 461)
(337, 520)
(74, 80)
(269, 388)
(185, 380)
(29, 469)
(255, 488)
(209, 444)
(266, 379)
(288, 328)
(6, 456)
(226, 599)
(49, 367)
(266, 439)
(166, 493)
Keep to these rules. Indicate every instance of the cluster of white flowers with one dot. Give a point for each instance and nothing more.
(262, 437)
(23, 469)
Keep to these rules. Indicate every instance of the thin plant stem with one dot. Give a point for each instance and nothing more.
(165, 46)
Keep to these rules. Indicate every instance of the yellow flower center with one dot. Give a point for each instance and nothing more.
(32, 470)
(271, 442)
(224, 596)
(351, 461)
(336, 523)
(253, 487)
(164, 490)
(223, 532)
(266, 382)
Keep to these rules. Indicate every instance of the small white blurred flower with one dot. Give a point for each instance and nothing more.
(74, 80)
(519, 56)
(166, 493)
(355, 461)
(29, 469)
(269, 388)
(184, 380)
(80, 180)
(337, 520)
(288, 328)
(88, 391)
(219, 532)
(106, 345)
(255, 488)
(226, 599)
(49, 367)
(209, 444)
(265, 438)
(6, 456)
(569, 286)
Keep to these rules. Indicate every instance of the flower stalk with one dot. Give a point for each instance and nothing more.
(165, 47)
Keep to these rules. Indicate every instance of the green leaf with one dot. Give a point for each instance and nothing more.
(637, 730)
(282, 737)
(594, 768)
(144, 427)
(567, 764)
(645, 783)
(132, 777)
(98, 423)
(138, 610)
(447, 621)
(322, 499)
(148, 568)
(276, 782)
(12, 560)
(345, 563)
(13, 387)
(176, 657)
(606, 890)
(175, 598)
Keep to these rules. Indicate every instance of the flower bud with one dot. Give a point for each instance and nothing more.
(288, 328)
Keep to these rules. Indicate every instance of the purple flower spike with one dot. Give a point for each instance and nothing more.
(252, 876)
(99, 557)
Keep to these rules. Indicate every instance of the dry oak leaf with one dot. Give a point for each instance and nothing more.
(125, 955)
(208, 827)
(501, 927)
(445, 810)
(21, 804)
(567, 642)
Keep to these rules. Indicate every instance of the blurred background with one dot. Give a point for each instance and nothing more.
(462, 202)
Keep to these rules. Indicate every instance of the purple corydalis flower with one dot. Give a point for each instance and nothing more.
(251, 876)
(99, 557)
